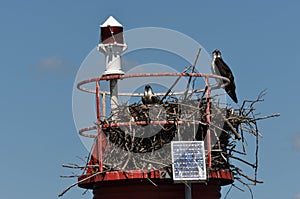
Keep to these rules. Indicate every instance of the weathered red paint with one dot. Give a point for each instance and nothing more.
(118, 175)
(143, 189)
(220, 177)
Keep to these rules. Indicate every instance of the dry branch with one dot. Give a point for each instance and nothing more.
(80, 181)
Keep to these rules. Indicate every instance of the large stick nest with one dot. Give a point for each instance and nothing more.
(144, 142)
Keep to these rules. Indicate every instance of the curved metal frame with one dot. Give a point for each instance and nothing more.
(207, 76)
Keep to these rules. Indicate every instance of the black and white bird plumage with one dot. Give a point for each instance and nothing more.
(149, 97)
(219, 67)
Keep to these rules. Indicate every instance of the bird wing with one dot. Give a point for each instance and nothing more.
(155, 99)
(143, 100)
(224, 70)
(230, 89)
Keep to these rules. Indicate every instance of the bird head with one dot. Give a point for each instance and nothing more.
(148, 89)
(216, 53)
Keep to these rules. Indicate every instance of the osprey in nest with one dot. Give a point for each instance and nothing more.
(149, 97)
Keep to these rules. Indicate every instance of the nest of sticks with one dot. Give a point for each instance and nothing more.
(143, 141)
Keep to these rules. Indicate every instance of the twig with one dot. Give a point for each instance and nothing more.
(232, 129)
(244, 161)
(80, 158)
(190, 78)
(90, 154)
(243, 139)
(228, 191)
(172, 86)
(79, 167)
(249, 188)
(72, 176)
(80, 181)
(256, 154)
(265, 117)
(245, 176)
(242, 153)
(202, 96)
(152, 182)
(238, 188)
(85, 192)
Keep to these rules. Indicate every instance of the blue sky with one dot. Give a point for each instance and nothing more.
(43, 44)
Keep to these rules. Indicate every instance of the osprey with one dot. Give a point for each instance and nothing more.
(219, 67)
(149, 97)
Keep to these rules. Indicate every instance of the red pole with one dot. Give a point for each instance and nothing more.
(98, 102)
(99, 142)
(208, 122)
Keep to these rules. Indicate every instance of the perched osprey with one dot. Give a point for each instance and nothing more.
(219, 67)
(149, 97)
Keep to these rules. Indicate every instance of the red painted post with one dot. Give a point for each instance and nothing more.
(98, 101)
(99, 142)
(208, 122)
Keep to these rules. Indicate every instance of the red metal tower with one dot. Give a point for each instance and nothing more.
(109, 183)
